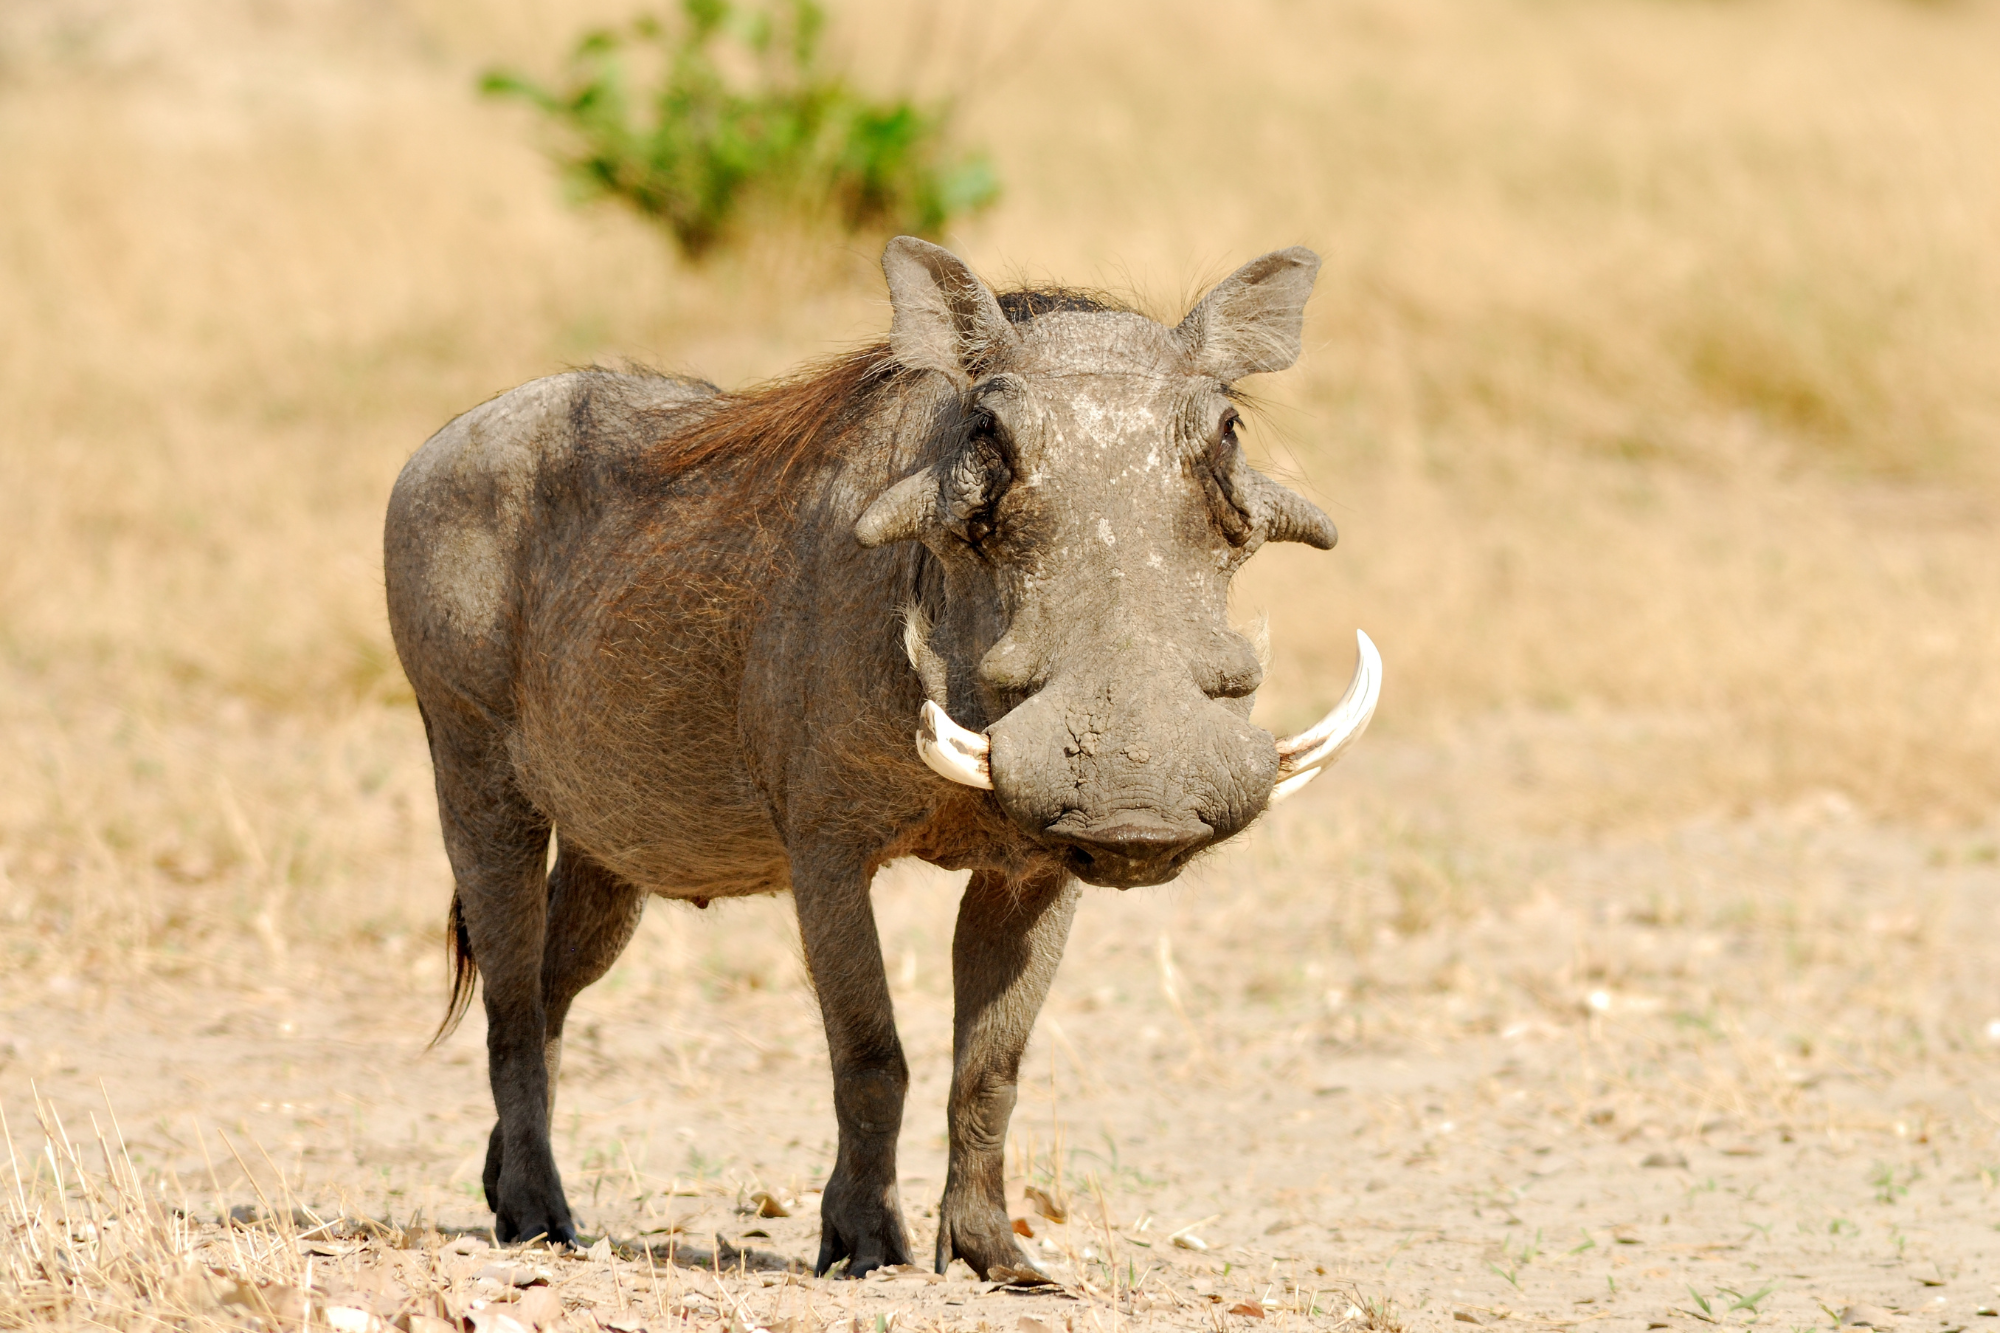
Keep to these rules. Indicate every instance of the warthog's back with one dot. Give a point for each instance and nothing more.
(461, 522)
(456, 526)
(520, 559)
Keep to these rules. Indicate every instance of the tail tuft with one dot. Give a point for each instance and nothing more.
(464, 971)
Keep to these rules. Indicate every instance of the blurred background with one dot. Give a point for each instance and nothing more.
(1653, 378)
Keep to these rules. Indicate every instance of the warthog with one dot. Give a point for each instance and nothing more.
(691, 634)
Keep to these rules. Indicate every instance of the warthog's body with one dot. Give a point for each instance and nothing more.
(636, 613)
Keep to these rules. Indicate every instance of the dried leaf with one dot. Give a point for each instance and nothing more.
(1046, 1204)
(494, 1319)
(275, 1303)
(1032, 1325)
(351, 1319)
(198, 1290)
(1021, 1228)
(769, 1205)
(1670, 1159)
(425, 1323)
(1018, 1277)
(1248, 1309)
(511, 1275)
(539, 1306)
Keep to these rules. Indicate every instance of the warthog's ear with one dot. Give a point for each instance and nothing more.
(946, 319)
(1250, 322)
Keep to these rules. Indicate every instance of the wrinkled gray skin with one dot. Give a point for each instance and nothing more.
(699, 678)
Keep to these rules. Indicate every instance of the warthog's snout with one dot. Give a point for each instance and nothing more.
(1129, 850)
(1124, 782)
(1187, 804)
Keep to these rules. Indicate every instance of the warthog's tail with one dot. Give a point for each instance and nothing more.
(464, 971)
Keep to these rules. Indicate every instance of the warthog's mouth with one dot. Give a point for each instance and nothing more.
(966, 756)
(1127, 850)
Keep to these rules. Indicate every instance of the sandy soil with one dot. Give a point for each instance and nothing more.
(1384, 1062)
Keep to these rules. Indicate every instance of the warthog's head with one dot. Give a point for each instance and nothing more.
(1089, 508)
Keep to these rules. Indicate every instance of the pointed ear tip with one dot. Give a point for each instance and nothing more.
(1291, 257)
(912, 254)
(1302, 261)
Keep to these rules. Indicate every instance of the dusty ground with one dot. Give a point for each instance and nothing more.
(1381, 1053)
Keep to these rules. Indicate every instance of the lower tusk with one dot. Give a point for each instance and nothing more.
(952, 751)
(1286, 786)
(1301, 758)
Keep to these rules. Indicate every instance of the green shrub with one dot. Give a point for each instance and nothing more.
(667, 118)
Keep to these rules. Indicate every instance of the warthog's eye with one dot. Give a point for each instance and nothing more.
(1216, 473)
(978, 481)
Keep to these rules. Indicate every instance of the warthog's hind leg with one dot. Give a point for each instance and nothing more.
(861, 1217)
(498, 843)
(590, 919)
(1004, 953)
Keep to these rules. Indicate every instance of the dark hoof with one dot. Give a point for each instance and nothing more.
(529, 1206)
(984, 1238)
(868, 1234)
(551, 1228)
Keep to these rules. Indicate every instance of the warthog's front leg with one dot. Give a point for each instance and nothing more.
(1003, 956)
(861, 1215)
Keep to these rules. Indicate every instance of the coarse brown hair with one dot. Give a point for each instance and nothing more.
(767, 432)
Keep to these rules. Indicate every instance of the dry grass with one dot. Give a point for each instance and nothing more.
(1651, 380)
(92, 1240)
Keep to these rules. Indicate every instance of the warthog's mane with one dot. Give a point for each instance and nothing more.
(764, 435)
(1023, 304)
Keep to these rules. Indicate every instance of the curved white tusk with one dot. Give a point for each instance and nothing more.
(1286, 786)
(1303, 757)
(951, 750)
